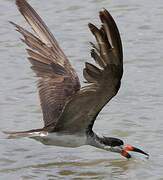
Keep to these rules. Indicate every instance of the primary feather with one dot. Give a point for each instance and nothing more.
(57, 79)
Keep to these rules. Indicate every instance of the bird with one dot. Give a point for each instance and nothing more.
(69, 109)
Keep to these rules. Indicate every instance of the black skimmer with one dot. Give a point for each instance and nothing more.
(69, 110)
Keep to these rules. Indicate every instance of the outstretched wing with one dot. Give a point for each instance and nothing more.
(57, 79)
(104, 82)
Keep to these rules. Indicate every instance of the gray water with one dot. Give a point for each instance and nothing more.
(134, 115)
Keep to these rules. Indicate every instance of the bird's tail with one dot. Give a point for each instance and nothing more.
(20, 134)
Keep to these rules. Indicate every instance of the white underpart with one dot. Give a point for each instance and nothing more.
(56, 139)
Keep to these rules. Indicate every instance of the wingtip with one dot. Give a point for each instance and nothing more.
(92, 28)
(102, 10)
(90, 25)
(19, 2)
(104, 15)
(12, 23)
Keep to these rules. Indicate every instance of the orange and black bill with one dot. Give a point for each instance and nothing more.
(132, 148)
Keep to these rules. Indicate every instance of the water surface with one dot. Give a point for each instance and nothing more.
(134, 115)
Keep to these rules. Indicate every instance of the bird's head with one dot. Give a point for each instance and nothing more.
(117, 145)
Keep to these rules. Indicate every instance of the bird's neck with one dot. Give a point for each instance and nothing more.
(94, 140)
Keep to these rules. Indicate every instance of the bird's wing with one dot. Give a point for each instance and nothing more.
(57, 79)
(104, 81)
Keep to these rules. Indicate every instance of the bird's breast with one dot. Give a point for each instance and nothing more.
(64, 140)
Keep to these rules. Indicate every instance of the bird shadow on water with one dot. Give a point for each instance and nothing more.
(82, 169)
